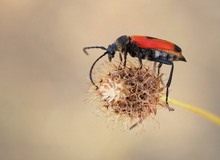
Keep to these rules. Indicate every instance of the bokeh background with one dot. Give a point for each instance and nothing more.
(44, 79)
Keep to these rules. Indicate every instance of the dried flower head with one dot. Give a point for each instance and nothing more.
(129, 93)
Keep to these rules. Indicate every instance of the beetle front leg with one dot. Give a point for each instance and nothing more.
(120, 57)
(125, 57)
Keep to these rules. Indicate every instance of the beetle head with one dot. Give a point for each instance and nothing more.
(111, 51)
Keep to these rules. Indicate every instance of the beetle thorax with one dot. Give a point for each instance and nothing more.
(122, 42)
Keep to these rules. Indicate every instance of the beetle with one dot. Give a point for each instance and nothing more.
(143, 47)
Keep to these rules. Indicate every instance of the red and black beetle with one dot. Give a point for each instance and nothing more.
(143, 47)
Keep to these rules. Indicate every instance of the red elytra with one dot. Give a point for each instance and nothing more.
(147, 42)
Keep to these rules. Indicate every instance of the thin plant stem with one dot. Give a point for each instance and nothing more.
(211, 117)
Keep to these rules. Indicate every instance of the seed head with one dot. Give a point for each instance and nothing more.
(129, 93)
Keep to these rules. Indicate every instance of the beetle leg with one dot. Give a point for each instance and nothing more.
(158, 72)
(169, 81)
(120, 57)
(125, 57)
(159, 66)
(139, 55)
(140, 59)
(170, 77)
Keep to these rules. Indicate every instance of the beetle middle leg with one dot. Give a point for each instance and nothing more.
(159, 66)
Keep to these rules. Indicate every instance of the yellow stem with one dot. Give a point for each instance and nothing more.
(213, 118)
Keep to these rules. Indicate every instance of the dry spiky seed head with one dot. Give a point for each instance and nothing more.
(130, 92)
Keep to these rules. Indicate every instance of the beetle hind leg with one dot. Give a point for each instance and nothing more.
(167, 62)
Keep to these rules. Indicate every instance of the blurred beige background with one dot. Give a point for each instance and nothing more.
(44, 79)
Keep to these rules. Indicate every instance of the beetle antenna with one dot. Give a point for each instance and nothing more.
(90, 73)
(85, 48)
